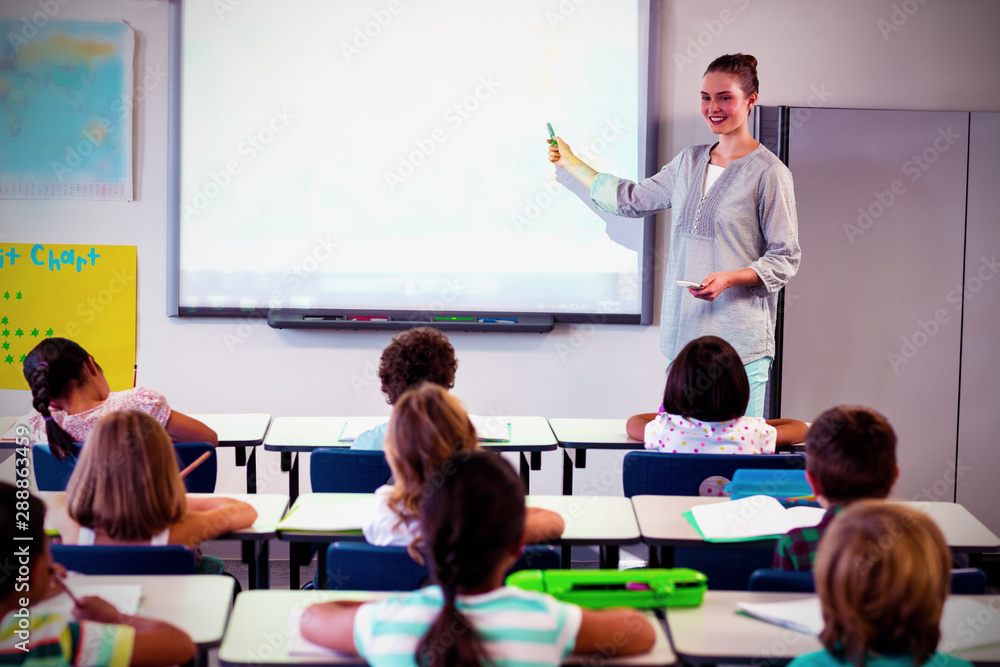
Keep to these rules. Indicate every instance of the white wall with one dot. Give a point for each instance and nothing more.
(820, 54)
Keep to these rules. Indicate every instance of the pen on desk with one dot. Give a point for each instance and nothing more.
(194, 464)
(552, 135)
(135, 375)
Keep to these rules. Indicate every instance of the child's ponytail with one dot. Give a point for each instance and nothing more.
(49, 368)
(470, 522)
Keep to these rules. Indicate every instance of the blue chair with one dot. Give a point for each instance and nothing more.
(359, 566)
(656, 473)
(101, 559)
(51, 474)
(964, 581)
(347, 471)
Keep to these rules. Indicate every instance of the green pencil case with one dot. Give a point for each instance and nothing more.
(599, 589)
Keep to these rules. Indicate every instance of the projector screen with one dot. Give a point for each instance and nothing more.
(390, 156)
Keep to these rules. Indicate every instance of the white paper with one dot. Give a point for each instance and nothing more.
(352, 515)
(754, 516)
(491, 429)
(357, 425)
(125, 598)
(965, 622)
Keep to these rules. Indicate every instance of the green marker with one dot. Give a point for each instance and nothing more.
(452, 318)
(552, 135)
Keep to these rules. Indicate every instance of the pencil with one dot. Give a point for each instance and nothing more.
(194, 464)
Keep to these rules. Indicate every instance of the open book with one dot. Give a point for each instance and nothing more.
(353, 515)
(960, 629)
(751, 518)
(124, 597)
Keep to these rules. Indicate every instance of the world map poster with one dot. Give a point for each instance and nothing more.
(66, 110)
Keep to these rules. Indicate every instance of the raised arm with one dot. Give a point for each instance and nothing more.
(614, 632)
(331, 624)
(182, 428)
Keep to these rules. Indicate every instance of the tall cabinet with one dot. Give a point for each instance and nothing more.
(882, 312)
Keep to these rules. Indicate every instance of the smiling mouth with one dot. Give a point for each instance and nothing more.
(717, 119)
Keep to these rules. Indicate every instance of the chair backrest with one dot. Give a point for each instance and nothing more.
(106, 559)
(51, 474)
(201, 479)
(964, 581)
(347, 471)
(359, 566)
(656, 473)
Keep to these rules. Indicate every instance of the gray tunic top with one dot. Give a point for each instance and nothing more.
(746, 219)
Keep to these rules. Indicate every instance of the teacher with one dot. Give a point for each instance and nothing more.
(733, 231)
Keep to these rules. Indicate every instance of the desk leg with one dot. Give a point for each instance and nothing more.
(293, 478)
(654, 556)
(567, 473)
(252, 471)
(241, 457)
(567, 557)
(321, 567)
(666, 556)
(263, 566)
(525, 470)
(286, 461)
(294, 562)
(249, 550)
(608, 557)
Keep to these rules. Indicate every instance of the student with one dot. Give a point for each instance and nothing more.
(473, 525)
(99, 636)
(881, 605)
(427, 427)
(704, 406)
(850, 455)
(734, 229)
(126, 489)
(423, 354)
(70, 394)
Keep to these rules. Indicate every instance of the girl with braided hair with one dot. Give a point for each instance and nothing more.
(473, 528)
(70, 394)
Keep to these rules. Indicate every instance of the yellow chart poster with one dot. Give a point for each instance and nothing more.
(81, 292)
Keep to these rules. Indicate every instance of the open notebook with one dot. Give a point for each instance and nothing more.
(960, 629)
(488, 429)
(125, 598)
(751, 518)
(352, 515)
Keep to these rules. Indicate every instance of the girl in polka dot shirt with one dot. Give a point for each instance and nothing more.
(70, 395)
(703, 408)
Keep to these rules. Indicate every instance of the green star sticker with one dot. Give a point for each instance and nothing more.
(18, 297)
(4, 320)
(34, 332)
(19, 333)
(9, 359)
(6, 295)
(23, 357)
(49, 332)
(5, 345)
(6, 332)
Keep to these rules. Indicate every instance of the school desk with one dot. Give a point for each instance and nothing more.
(607, 522)
(715, 633)
(242, 432)
(258, 630)
(198, 604)
(304, 434)
(663, 527)
(579, 435)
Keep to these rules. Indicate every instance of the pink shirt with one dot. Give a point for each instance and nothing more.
(676, 435)
(78, 426)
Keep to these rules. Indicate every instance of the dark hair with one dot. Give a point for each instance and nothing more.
(882, 574)
(707, 382)
(414, 356)
(50, 368)
(14, 501)
(740, 65)
(851, 453)
(469, 524)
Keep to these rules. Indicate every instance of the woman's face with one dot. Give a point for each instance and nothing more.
(723, 104)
